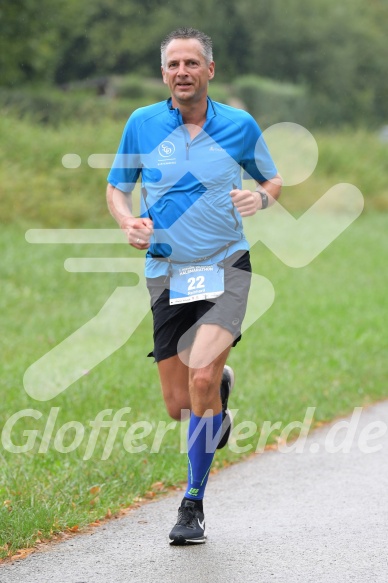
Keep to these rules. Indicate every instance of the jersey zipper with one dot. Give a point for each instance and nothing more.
(234, 213)
(233, 209)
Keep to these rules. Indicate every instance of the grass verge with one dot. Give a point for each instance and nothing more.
(321, 344)
(38, 190)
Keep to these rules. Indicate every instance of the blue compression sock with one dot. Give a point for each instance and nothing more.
(202, 443)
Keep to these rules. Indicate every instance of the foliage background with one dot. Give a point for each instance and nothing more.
(336, 54)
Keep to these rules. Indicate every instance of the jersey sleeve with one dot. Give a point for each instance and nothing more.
(256, 159)
(126, 166)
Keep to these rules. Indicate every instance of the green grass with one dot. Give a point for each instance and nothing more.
(38, 190)
(321, 344)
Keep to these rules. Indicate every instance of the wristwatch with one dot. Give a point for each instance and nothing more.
(264, 198)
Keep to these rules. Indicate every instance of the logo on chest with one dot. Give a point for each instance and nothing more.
(166, 149)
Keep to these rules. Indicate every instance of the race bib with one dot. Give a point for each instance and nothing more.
(191, 283)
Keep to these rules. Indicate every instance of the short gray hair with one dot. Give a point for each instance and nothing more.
(189, 33)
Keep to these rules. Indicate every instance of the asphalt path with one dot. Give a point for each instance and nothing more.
(318, 515)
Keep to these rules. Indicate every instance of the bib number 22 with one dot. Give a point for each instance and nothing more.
(196, 283)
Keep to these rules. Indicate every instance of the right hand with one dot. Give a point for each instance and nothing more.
(138, 231)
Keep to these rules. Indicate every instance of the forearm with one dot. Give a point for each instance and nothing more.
(137, 230)
(120, 206)
(248, 202)
(272, 188)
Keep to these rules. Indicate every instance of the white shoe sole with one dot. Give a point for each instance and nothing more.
(231, 375)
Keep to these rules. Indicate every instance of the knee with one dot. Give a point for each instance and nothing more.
(177, 411)
(202, 382)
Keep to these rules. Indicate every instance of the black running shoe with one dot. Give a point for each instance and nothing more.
(227, 384)
(190, 526)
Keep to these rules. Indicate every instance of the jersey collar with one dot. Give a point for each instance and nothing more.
(210, 112)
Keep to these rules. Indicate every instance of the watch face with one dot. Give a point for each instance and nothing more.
(264, 199)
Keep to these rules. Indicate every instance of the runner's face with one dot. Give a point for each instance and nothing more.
(186, 72)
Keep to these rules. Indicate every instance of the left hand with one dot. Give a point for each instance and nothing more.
(246, 201)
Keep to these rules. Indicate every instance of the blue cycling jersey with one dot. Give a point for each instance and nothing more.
(186, 182)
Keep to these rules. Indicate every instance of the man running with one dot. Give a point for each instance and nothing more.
(190, 152)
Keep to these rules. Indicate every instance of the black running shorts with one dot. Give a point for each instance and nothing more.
(228, 310)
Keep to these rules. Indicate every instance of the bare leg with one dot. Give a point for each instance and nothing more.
(196, 386)
(174, 380)
(206, 361)
(205, 379)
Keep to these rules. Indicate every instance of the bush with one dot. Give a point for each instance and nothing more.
(55, 107)
(136, 87)
(272, 102)
(220, 92)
